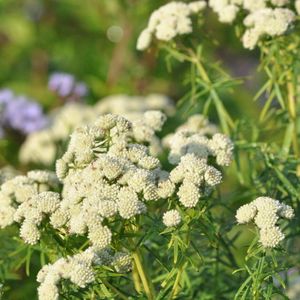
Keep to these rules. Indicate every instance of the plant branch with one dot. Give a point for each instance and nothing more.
(147, 284)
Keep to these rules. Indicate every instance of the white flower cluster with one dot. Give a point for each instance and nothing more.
(38, 148)
(171, 218)
(105, 175)
(144, 130)
(147, 115)
(267, 21)
(195, 124)
(42, 147)
(265, 212)
(190, 150)
(260, 4)
(195, 179)
(169, 21)
(227, 10)
(108, 177)
(78, 269)
(265, 18)
(191, 138)
(27, 200)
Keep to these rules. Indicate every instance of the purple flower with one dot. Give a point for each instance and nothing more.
(66, 86)
(80, 89)
(6, 95)
(20, 113)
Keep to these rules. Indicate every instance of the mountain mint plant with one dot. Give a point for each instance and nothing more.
(113, 201)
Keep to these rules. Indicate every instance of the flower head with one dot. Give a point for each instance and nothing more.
(171, 218)
(20, 114)
(169, 21)
(66, 86)
(266, 21)
(265, 212)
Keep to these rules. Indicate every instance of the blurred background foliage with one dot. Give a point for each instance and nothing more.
(95, 40)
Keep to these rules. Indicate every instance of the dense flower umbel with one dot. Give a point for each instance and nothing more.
(265, 212)
(169, 21)
(190, 150)
(171, 218)
(43, 146)
(263, 18)
(267, 21)
(227, 10)
(27, 200)
(78, 269)
(106, 175)
(200, 137)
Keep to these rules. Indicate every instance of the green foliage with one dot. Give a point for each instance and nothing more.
(207, 257)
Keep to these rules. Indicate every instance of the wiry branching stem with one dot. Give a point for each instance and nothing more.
(147, 284)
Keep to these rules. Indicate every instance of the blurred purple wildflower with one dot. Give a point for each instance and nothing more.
(6, 95)
(20, 114)
(66, 86)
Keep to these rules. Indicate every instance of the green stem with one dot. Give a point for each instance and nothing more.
(293, 116)
(118, 292)
(225, 119)
(147, 284)
(191, 57)
(258, 282)
(217, 270)
(175, 288)
(136, 279)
